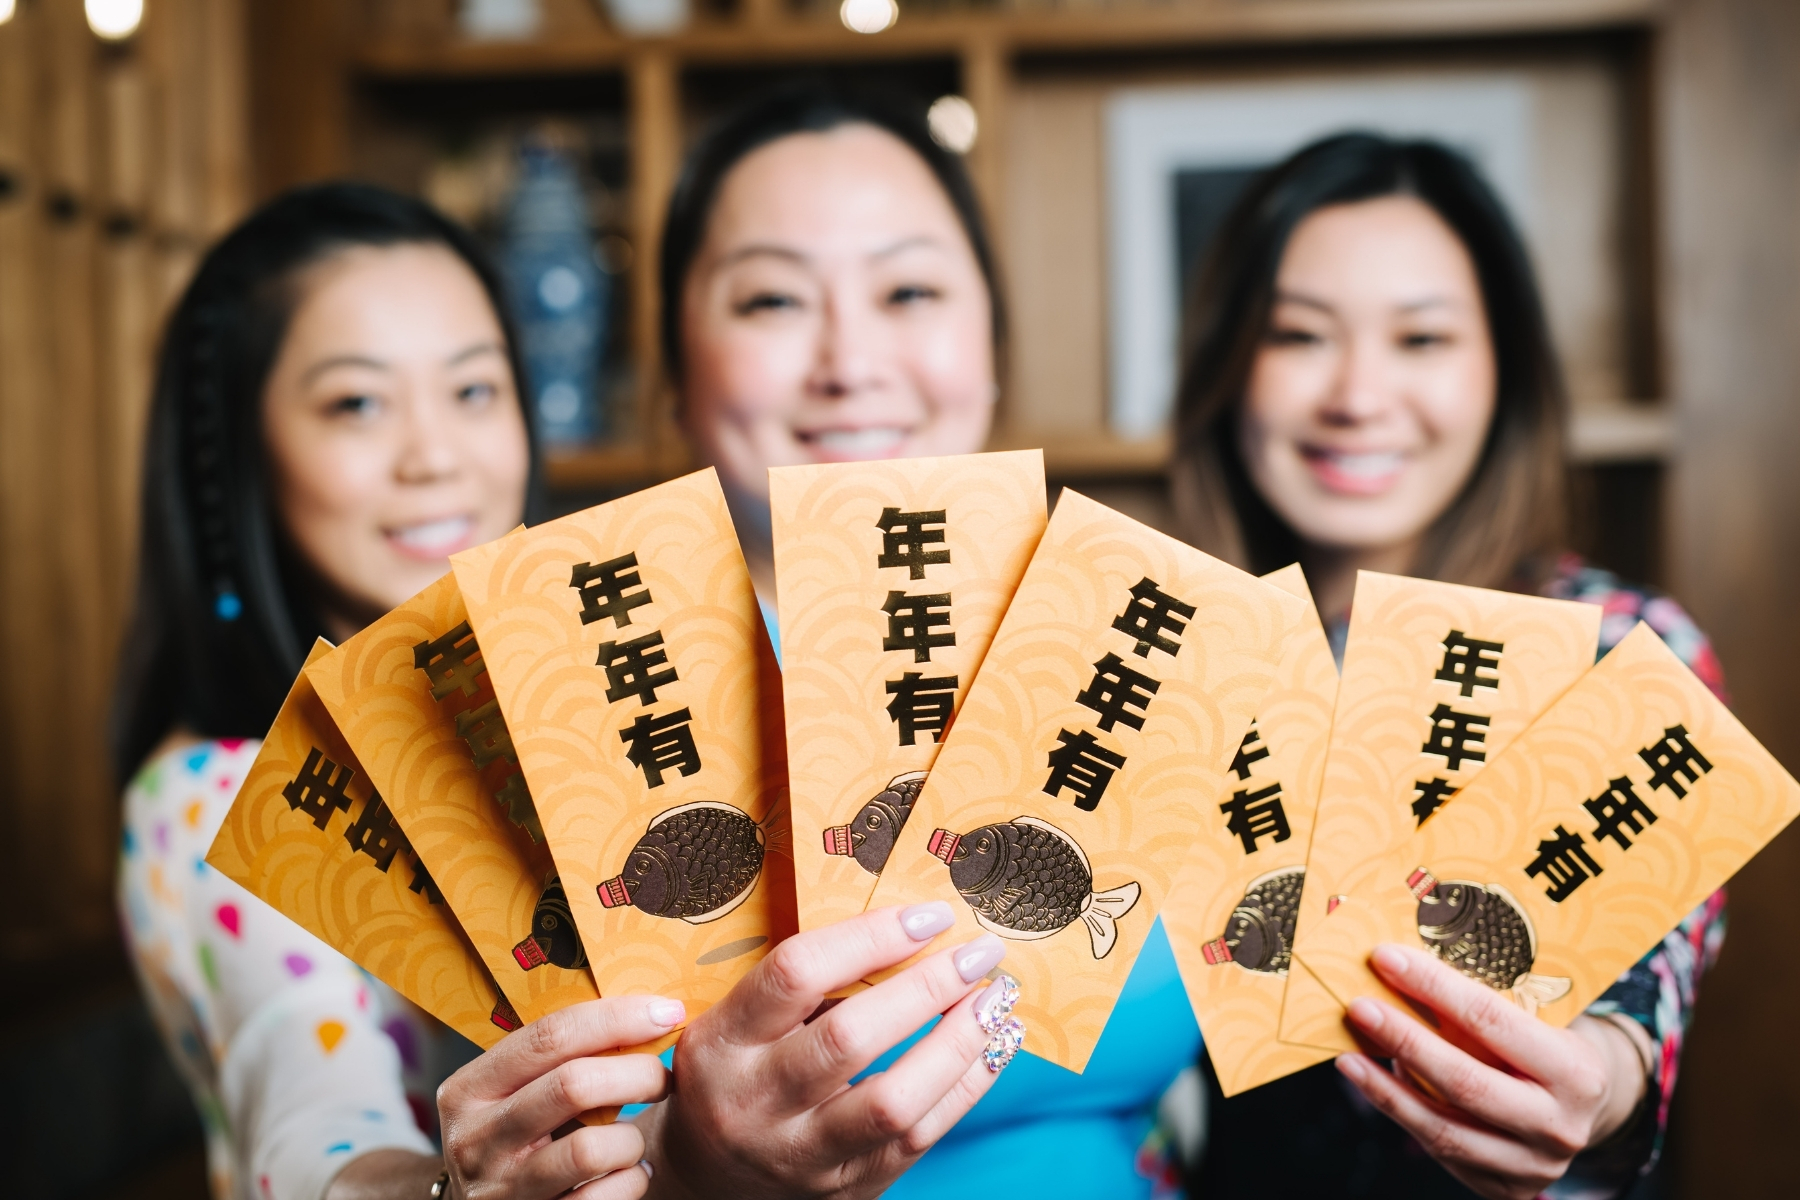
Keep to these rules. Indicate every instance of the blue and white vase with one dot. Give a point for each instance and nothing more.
(559, 295)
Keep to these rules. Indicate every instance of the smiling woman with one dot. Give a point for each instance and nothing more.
(1370, 385)
(828, 296)
(394, 429)
(336, 411)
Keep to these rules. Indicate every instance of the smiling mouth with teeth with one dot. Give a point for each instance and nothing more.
(434, 539)
(851, 445)
(1363, 474)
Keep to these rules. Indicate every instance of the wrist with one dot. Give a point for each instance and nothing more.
(1629, 1056)
(389, 1174)
(663, 1182)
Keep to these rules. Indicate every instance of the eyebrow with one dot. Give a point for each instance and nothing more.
(1306, 301)
(375, 364)
(789, 254)
(343, 360)
(468, 352)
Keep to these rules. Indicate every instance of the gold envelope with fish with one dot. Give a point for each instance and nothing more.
(1438, 680)
(892, 579)
(1230, 916)
(413, 698)
(311, 837)
(1089, 758)
(630, 660)
(1634, 797)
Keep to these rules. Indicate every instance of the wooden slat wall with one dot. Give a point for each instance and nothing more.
(1730, 174)
(127, 160)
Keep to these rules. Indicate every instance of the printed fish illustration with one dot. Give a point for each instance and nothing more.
(870, 836)
(1026, 879)
(695, 863)
(553, 939)
(1481, 931)
(1259, 934)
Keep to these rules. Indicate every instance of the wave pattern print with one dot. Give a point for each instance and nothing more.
(490, 870)
(994, 768)
(316, 879)
(843, 743)
(1377, 762)
(594, 802)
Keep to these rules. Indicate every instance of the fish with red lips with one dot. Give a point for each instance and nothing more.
(869, 836)
(1027, 879)
(695, 863)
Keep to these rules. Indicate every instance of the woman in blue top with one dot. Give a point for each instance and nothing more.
(828, 296)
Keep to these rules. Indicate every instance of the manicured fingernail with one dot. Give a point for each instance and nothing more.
(979, 957)
(997, 1000)
(1353, 1067)
(925, 921)
(668, 1013)
(649, 1171)
(1389, 959)
(1366, 1012)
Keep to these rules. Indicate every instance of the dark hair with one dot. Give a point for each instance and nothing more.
(221, 622)
(1512, 507)
(808, 106)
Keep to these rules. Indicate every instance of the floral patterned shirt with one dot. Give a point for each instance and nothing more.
(297, 1059)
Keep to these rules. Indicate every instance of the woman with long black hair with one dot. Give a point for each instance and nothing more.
(1370, 384)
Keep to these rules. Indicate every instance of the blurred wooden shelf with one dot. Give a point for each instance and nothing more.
(1614, 431)
(778, 38)
(613, 468)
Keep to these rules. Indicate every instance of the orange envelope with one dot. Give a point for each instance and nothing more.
(401, 690)
(310, 837)
(892, 579)
(1230, 916)
(1438, 680)
(1089, 758)
(629, 656)
(1632, 799)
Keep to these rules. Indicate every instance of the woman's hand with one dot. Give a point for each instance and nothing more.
(1512, 1099)
(762, 1106)
(499, 1111)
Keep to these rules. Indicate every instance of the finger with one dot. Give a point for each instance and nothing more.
(889, 1106)
(889, 1160)
(970, 1088)
(576, 1087)
(587, 1154)
(628, 1184)
(817, 1060)
(1446, 1136)
(1496, 1025)
(1474, 1087)
(579, 1031)
(786, 987)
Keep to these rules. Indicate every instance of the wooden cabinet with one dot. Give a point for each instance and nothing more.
(118, 164)
(400, 83)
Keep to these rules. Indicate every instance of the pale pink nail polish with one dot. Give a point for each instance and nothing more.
(978, 957)
(923, 922)
(668, 1013)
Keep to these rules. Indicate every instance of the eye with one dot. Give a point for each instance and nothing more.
(1423, 340)
(874, 820)
(912, 293)
(1288, 335)
(475, 394)
(352, 406)
(766, 302)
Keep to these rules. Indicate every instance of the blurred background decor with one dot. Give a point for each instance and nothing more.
(1651, 149)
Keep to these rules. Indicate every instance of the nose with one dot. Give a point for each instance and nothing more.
(427, 452)
(1364, 388)
(852, 346)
